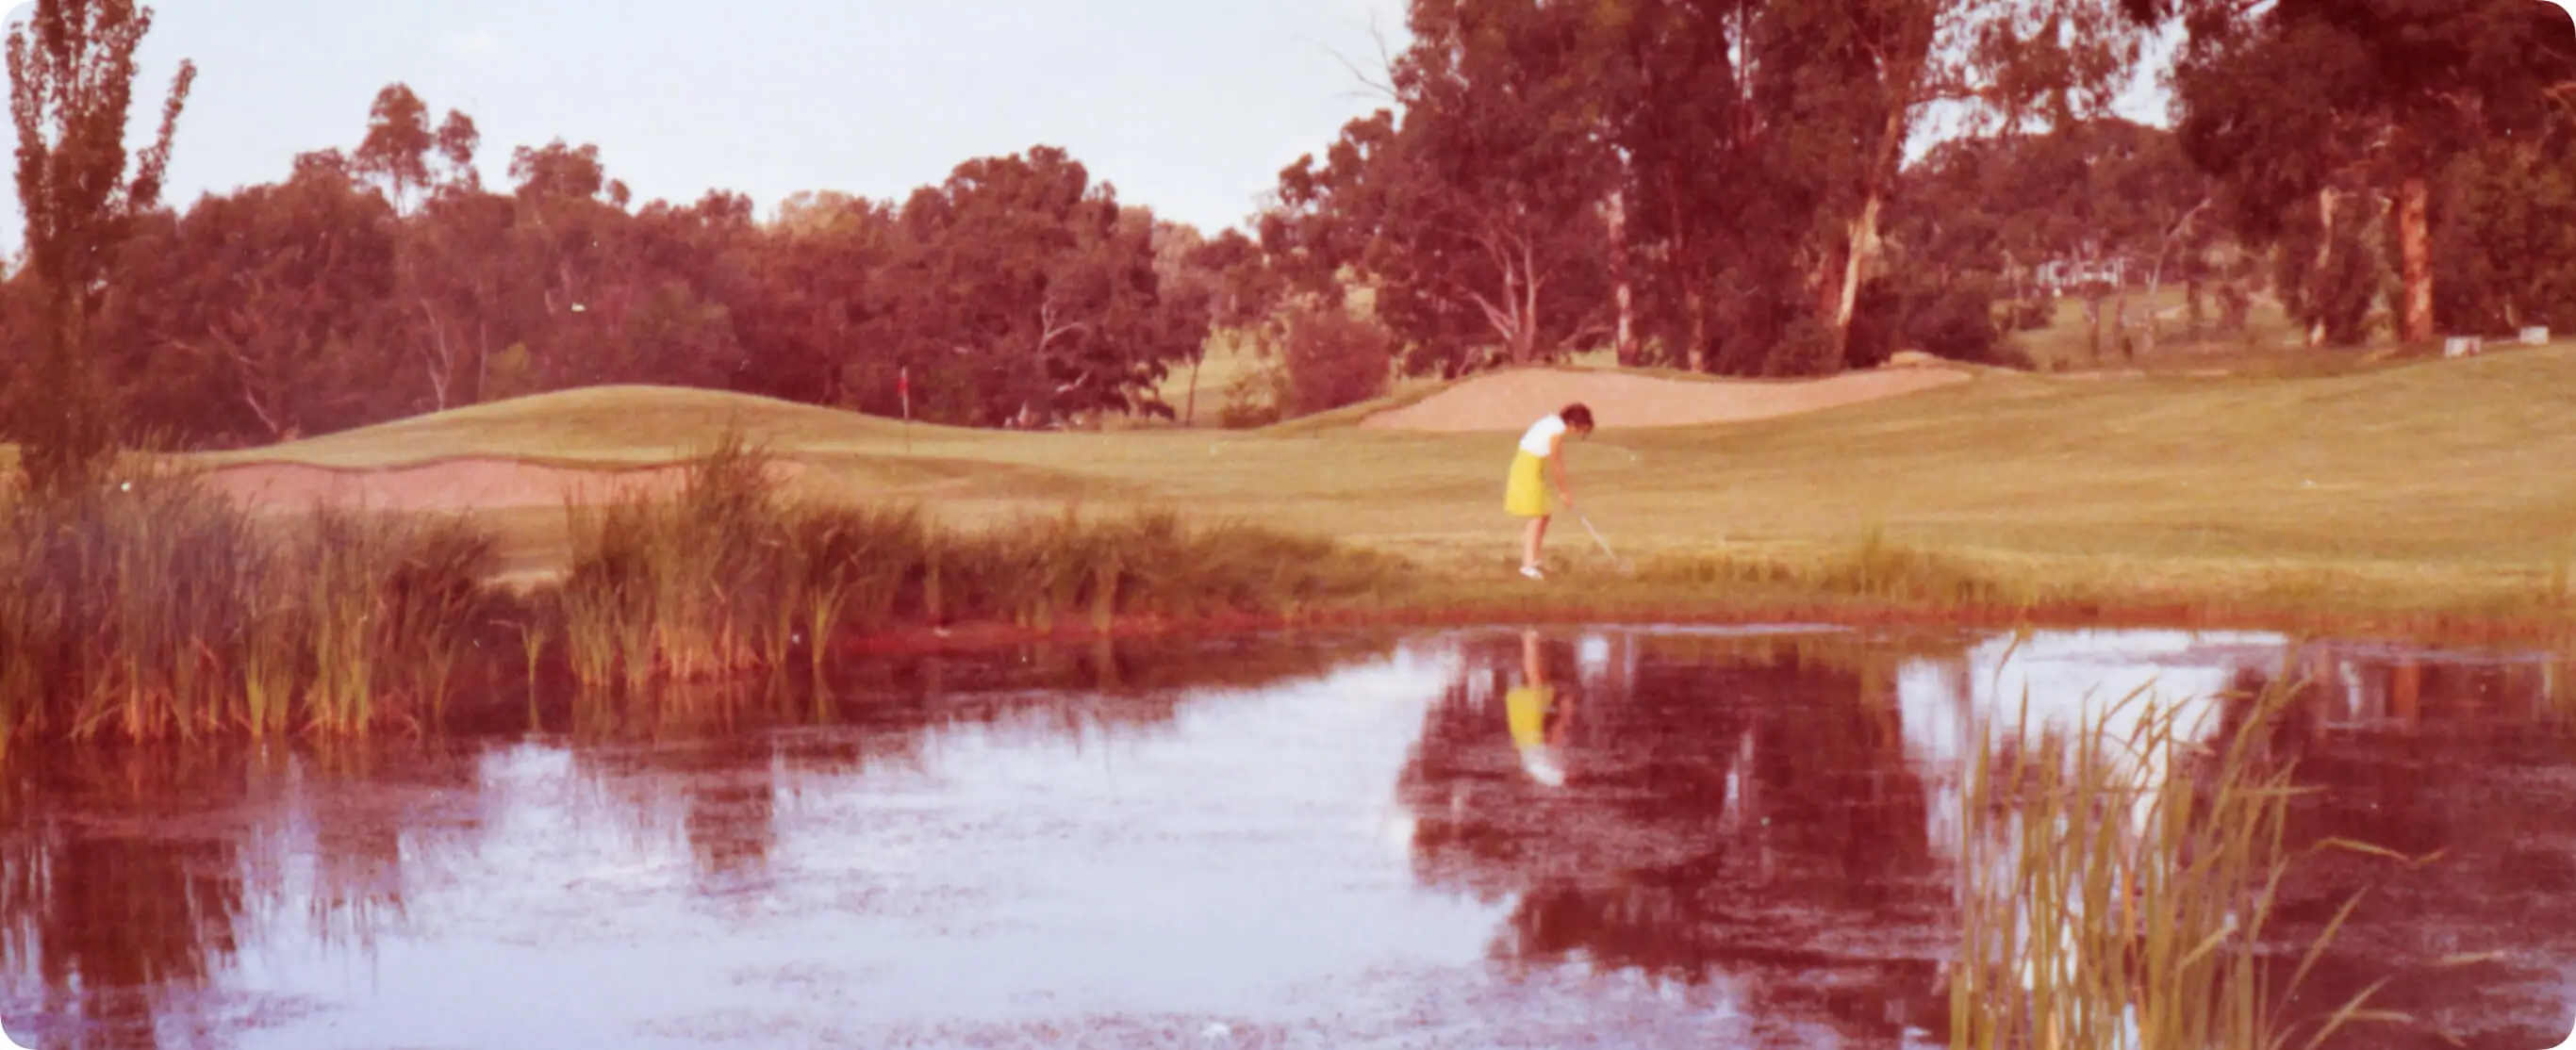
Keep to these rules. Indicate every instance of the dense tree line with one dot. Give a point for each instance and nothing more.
(388, 280)
(1718, 185)
(1715, 184)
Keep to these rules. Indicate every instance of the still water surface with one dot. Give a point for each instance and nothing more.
(1473, 839)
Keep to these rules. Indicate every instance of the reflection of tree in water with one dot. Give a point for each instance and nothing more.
(109, 909)
(1746, 816)
(720, 754)
(129, 878)
(2473, 765)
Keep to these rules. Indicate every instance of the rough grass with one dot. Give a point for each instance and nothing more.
(2414, 485)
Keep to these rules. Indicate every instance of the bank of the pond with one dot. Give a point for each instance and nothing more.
(1871, 583)
(164, 608)
(1447, 607)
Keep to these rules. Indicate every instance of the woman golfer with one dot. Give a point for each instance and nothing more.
(1525, 495)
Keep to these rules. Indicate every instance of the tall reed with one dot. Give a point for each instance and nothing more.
(729, 577)
(678, 589)
(158, 608)
(153, 608)
(2116, 889)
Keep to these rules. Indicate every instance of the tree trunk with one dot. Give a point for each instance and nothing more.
(1864, 230)
(1684, 257)
(2120, 327)
(2325, 254)
(72, 431)
(1864, 236)
(1625, 341)
(2092, 328)
(2415, 249)
(1529, 304)
(1698, 308)
(442, 358)
(1824, 283)
(1190, 403)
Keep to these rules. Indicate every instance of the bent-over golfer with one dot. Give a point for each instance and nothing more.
(1525, 494)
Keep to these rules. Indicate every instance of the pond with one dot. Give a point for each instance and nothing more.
(1569, 837)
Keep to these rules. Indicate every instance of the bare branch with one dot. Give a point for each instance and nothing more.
(1384, 89)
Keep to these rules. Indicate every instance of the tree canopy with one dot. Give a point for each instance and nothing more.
(387, 280)
(2303, 108)
(1744, 187)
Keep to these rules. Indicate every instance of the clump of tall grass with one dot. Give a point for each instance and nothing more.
(2116, 887)
(1050, 571)
(659, 587)
(729, 577)
(154, 608)
(1872, 567)
(1877, 567)
(158, 608)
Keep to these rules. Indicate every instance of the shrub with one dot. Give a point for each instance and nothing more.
(1334, 359)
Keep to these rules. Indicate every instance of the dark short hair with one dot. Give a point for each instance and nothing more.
(1576, 416)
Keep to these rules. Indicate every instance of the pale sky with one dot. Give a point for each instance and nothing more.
(1189, 106)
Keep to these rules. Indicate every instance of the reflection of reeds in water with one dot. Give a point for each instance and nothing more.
(130, 878)
(98, 918)
(2109, 900)
(357, 851)
(2558, 688)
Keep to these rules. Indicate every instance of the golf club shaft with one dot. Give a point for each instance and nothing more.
(1587, 527)
(1596, 535)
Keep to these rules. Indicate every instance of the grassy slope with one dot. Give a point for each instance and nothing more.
(2417, 472)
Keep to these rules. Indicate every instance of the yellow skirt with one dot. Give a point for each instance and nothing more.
(1525, 495)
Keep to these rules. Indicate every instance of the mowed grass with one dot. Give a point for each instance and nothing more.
(2438, 479)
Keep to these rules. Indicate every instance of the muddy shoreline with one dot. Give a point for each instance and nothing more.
(2444, 630)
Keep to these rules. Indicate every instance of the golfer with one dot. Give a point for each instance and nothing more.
(1525, 494)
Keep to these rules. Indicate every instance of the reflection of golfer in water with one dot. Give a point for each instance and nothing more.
(1538, 721)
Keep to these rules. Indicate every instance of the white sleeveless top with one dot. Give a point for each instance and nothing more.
(1540, 433)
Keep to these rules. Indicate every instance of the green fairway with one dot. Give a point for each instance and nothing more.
(2423, 473)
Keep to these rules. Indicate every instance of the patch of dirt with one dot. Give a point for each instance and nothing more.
(451, 484)
(1513, 400)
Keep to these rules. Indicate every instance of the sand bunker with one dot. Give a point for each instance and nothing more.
(1512, 400)
(449, 485)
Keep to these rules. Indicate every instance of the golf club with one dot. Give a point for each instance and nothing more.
(1631, 453)
(1615, 559)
